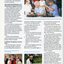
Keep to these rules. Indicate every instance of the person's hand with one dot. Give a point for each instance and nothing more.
(46, 6)
(51, 9)
(44, 14)
(32, 13)
(48, 10)
(39, 14)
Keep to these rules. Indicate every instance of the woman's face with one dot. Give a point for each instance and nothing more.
(12, 57)
(27, 1)
(41, 0)
(18, 60)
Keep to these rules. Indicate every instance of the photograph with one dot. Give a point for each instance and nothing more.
(13, 59)
(43, 8)
(33, 59)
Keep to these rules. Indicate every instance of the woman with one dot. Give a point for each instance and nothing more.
(27, 7)
(18, 61)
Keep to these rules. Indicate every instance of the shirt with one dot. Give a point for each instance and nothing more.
(55, 11)
(43, 8)
(38, 10)
(19, 62)
(28, 61)
(27, 9)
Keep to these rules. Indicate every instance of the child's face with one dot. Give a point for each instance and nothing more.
(50, 3)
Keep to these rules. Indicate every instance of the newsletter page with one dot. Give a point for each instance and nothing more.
(31, 32)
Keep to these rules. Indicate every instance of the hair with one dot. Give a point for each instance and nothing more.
(51, 1)
(30, 55)
(25, 1)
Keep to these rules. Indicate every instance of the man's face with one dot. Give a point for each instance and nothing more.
(31, 57)
(37, 4)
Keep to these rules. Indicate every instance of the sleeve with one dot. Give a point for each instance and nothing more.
(54, 7)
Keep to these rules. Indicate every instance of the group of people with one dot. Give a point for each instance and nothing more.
(41, 8)
(12, 59)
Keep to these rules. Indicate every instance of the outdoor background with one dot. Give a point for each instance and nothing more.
(37, 58)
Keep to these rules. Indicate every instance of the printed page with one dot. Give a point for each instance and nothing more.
(31, 32)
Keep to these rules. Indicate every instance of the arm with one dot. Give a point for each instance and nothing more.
(51, 9)
(45, 6)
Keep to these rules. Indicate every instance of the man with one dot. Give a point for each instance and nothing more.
(29, 60)
(32, 3)
(53, 9)
(6, 59)
(38, 10)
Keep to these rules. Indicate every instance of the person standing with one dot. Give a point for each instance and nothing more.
(6, 59)
(27, 7)
(29, 60)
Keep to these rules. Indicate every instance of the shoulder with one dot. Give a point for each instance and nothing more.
(19, 62)
(27, 60)
(54, 5)
(30, 6)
